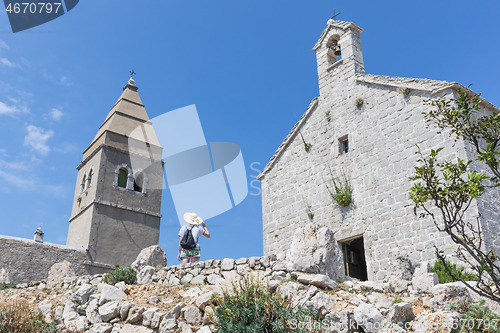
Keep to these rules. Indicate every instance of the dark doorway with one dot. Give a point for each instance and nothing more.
(354, 258)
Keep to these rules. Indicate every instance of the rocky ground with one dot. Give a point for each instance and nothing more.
(86, 304)
(177, 298)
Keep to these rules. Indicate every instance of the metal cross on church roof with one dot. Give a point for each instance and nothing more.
(132, 73)
(335, 15)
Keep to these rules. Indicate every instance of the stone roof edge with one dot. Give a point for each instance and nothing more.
(289, 138)
(366, 79)
(433, 91)
(32, 242)
(325, 32)
(457, 86)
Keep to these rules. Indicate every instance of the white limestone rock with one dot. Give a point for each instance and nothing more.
(199, 279)
(192, 292)
(135, 314)
(398, 285)
(289, 289)
(44, 309)
(442, 322)
(58, 314)
(92, 311)
(156, 320)
(175, 312)
(148, 315)
(208, 316)
(192, 315)
(319, 280)
(315, 250)
(124, 309)
(58, 273)
(401, 313)
(449, 293)
(69, 312)
(168, 325)
(110, 293)
(202, 300)
(101, 328)
(145, 275)
(79, 324)
(340, 322)
(227, 264)
(204, 329)
(322, 302)
(127, 328)
(381, 301)
(154, 300)
(368, 317)
(121, 285)
(109, 311)
(187, 278)
(83, 293)
(243, 269)
(151, 256)
(185, 328)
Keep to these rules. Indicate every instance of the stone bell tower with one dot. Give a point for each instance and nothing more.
(339, 56)
(116, 207)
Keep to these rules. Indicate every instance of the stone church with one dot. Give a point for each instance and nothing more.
(368, 128)
(117, 201)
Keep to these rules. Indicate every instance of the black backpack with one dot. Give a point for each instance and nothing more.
(187, 241)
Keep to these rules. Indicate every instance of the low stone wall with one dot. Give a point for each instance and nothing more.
(214, 272)
(24, 260)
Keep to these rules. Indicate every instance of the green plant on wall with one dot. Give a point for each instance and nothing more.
(340, 190)
(328, 116)
(309, 212)
(307, 145)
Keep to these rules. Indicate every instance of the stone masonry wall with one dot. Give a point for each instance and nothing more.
(382, 135)
(382, 118)
(24, 260)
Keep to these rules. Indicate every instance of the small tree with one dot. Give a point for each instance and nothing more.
(447, 189)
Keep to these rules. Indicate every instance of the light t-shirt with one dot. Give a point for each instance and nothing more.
(196, 230)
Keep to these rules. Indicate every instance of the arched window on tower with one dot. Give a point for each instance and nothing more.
(122, 178)
(89, 179)
(138, 182)
(334, 53)
(82, 184)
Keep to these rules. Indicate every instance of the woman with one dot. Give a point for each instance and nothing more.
(198, 228)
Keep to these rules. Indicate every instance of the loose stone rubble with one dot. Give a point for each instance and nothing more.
(178, 299)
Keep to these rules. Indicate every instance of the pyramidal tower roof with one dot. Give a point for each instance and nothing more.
(127, 118)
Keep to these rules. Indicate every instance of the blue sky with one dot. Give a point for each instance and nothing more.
(247, 65)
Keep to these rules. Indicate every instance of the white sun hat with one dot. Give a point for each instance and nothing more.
(192, 218)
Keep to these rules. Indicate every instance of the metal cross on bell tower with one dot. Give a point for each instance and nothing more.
(335, 15)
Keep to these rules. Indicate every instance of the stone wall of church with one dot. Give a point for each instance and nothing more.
(488, 203)
(24, 260)
(383, 133)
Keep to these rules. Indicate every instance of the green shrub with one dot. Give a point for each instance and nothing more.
(445, 277)
(254, 308)
(479, 318)
(4, 285)
(342, 190)
(397, 300)
(20, 319)
(125, 274)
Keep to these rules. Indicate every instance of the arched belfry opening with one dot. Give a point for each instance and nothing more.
(334, 53)
(138, 182)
